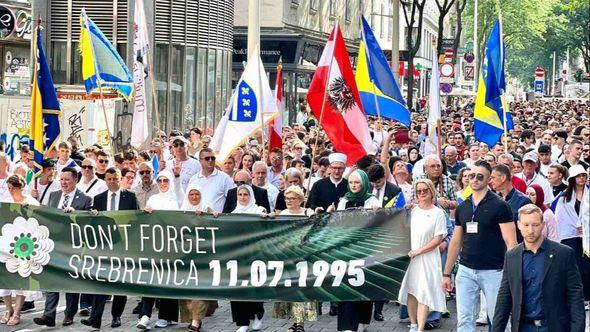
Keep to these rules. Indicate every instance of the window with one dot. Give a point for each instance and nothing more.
(372, 14)
(201, 86)
(210, 108)
(391, 22)
(161, 68)
(58, 62)
(189, 84)
(176, 110)
(382, 22)
(332, 8)
(347, 12)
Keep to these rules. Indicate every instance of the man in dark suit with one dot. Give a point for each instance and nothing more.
(329, 190)
(114, 199)
(68, 199)
(385, 191)
(260, 194)
(541, 286)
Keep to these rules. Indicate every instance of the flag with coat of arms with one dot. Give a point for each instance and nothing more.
(252, 106)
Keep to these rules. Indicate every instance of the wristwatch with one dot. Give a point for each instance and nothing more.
(446, 275)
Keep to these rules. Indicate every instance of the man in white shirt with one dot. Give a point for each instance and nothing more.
(46, 183)
(182, 165)
(544, 158)
(529, 174)
(64, 160)
(90, 184)
(217, 183)
(259, 174)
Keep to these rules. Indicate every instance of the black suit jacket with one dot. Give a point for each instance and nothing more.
(127, 201)
(391, 191)
(260, 197)
(563, 298)
(79, 202)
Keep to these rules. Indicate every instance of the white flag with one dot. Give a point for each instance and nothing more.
(139, 128)
(432, 143)
(251, 102)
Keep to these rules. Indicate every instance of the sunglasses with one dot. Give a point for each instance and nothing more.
(240, 183)
(422, 191)
(209, 158)
(103, 161)
(145, 172)
(178, 145)
(477, 176)
(87, 167)
(163, 180)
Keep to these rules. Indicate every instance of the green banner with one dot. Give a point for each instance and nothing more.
(348, 255)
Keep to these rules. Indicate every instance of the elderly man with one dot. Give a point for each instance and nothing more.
(261, 196)
(453, 165)
(508, 160)
(216, 182)
(530, 175)
(329, 190)
(182, 165)
(147, 187)
(259, 179)
(447, 199)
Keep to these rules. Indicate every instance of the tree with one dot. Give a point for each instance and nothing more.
(413, 23)
(459, 8)
(443, 10)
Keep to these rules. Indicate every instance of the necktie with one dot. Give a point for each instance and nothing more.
(113, 196)
(66, 202)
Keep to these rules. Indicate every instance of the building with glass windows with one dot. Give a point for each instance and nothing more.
(191, 45)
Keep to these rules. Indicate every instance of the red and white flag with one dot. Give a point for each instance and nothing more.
(275, 130)
(343, 118)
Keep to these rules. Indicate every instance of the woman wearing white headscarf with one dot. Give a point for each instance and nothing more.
(168, 198)
(243, 312)
(170, 195)
(194, 311)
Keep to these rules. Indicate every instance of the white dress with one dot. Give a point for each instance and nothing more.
(423, 278)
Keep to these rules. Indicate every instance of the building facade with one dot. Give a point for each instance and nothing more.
(191, 44)
(16, 28)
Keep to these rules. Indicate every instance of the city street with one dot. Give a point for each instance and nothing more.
(221, 320)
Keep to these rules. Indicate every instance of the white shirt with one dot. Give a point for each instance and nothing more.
(541, 181)
(70, 163)
(379, 193)
(273, 193)
(4, 194)
(555, 153)
(46, 189)
(70, 196)
(99, 187)
(117, 199)
(217, 185)
(189, 168)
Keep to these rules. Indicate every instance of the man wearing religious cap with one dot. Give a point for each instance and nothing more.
(329, 190)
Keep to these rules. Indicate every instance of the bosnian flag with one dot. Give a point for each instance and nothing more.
(276, 127)
(339, 109)
(251, 108)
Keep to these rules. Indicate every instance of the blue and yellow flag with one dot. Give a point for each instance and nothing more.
(398, 201)
(44, 128)
(467, 191)
(375, 80)
(490, 104)
(101, 64)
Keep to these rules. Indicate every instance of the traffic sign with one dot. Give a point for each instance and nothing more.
(469, 57)
(469, 72)
(539, 73)
(539, 86)
(446, 88)
(449, 55)
(449, 80)
(447, 70)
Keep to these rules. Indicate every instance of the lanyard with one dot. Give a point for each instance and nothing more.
(473, 209)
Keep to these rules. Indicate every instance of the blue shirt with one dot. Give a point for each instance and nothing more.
(455, 169)
(533, 266)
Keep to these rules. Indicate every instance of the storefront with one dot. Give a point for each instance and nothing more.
(16, 29)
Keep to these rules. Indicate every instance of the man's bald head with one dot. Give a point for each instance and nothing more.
(243, 176)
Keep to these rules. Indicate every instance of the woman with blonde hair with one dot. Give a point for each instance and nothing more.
(420, 289)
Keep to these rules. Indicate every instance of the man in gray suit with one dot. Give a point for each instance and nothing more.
(69, 199)
(541, 288)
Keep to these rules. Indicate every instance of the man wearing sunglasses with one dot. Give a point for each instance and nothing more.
(260, 194)
(217, 182)
(182, 165)
(90, 184)
(483, 232)
(147, 187)
(102, 163)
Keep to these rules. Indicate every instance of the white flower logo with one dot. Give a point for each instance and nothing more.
(25, 246)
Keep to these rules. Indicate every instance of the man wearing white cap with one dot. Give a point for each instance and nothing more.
(329, 190)
(530, 175)
(182, 165)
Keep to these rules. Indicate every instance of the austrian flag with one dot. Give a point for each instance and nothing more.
(343, 118)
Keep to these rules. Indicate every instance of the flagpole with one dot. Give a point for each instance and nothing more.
(257, 51)
(505, 114)
(313, 151)
(35, 78)
(154, 94)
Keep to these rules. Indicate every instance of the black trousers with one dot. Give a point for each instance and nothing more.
(52, 299)
(243, 312)
(351, 314)
(98, 302)
(379, 306)
(582, 261)
(168, 309)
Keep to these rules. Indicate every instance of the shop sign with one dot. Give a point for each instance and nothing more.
(270, 51)
(15, 23)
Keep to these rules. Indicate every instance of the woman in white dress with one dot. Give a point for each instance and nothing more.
(297, 312)
(16, 184)
(420, 289)
(170, 195)
(194, 311)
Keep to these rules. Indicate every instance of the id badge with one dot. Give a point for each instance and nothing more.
(472, 227)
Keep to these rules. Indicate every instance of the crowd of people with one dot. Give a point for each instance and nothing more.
(465, 204)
